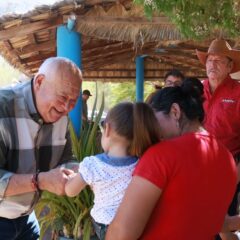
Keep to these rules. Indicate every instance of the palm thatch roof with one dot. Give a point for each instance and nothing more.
(113, 33)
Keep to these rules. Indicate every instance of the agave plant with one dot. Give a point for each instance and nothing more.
(72, 215)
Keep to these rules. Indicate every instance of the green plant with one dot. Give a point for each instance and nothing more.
(73, 214)
(200, 18)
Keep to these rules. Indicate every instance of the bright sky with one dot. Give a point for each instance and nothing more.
(17, 7)
(21, 6)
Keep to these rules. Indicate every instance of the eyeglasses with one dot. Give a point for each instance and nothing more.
(169, 83)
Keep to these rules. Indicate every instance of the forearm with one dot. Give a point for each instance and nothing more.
(23, 183)
(19, 184)
(53, 181)
(74, 185)
(231, 223)
(228, 236)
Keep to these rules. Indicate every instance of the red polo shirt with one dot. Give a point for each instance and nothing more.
(222, 113)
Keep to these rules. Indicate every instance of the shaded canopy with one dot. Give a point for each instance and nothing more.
(113, 34)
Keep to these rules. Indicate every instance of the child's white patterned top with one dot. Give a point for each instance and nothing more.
(108, 178)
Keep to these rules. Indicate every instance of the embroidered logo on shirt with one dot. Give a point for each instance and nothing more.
(228, 100)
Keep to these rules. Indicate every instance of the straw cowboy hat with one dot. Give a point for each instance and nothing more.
(222, 48)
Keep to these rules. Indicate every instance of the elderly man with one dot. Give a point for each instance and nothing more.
(222, 99)
(34, 140)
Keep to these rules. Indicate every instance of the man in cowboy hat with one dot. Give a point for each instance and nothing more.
(222, 99)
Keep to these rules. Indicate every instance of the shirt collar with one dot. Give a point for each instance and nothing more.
(225, 82)
(117, 161)
(31, 103)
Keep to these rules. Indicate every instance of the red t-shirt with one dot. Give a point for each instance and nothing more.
(197, 176)
(222, 113)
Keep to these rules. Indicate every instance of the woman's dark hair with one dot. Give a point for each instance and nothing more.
(189, 97)
(137, 123)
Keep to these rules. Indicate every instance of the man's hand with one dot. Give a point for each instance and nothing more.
(54, 180)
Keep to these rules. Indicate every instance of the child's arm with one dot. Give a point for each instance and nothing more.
(74, 185)
(228, 236)
(231, 223)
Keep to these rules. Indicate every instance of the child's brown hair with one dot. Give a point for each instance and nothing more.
(137, 123)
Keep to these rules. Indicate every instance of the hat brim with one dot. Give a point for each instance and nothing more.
(234, 55)
(202, 57)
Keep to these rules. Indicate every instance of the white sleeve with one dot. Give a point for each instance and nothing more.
(86, 169)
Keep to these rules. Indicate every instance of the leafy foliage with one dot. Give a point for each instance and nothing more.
(118, 92)
(198, 18)
(73, 214)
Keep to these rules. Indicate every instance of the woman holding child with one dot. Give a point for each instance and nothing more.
(181, 187)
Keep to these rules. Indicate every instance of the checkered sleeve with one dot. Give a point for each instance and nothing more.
(4, 175)
(67, 155)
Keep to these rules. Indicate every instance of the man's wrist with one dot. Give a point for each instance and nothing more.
(41, 181)
(35, 181)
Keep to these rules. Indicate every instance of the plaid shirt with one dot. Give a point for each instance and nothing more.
(27, 145)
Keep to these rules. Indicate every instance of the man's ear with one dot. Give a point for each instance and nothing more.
(175, 111)
(38, 81)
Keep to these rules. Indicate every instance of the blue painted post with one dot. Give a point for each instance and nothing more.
(139, 78)
(69, 46)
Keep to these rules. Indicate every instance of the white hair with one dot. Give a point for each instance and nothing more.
(57, 67)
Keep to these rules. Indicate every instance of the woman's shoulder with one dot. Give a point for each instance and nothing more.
(180, 142)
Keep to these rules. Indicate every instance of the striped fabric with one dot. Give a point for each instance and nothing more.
(27, 145)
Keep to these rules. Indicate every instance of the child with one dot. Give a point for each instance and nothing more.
(129, 129)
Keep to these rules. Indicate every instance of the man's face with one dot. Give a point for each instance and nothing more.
(172, 81)
(56, 100)
(218, 67)
(85, 97)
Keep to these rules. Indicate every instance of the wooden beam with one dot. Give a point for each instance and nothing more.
(14, 56)
(35, 65)
(176, 60)
(110, 55)
(36, 47)
(153, 78)
(150, 65)
(110, 58)
(91, 42)
(105, 49)
(146, 70)
(163, 60)
(192, 46)
(39, 57)
(186, 66)
(172, 53)
(31, 38)
(29, 28)
(122, 20)
(52, 34)
(107, 61)
(126, 73)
